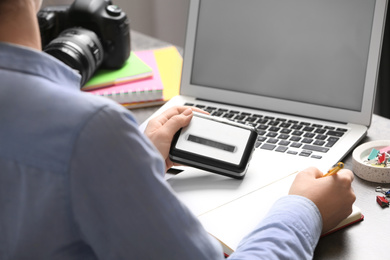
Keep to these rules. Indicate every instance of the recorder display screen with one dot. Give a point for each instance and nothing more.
(211, 143)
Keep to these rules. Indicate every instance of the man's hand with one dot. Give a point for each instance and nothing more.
(333, 195)
(162, 128)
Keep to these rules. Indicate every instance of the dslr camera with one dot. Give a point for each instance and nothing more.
(86, 35)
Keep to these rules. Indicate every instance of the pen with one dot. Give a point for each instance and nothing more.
(335, 169)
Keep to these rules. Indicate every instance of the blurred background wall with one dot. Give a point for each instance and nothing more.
(163, 19)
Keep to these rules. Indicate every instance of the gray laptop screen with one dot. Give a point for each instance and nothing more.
(311, 51)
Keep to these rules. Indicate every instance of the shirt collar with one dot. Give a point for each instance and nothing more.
(30, 61)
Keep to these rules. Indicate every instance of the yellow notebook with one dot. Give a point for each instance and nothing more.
(169, 63)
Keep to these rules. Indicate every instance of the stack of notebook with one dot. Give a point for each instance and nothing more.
(148, 78)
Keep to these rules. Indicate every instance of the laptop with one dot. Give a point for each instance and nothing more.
(303, 73)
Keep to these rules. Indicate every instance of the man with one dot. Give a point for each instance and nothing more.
(79, 181)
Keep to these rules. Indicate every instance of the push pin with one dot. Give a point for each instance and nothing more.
(380, 189)
(382, 201)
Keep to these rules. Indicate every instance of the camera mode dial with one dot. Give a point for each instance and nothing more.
(114, 10)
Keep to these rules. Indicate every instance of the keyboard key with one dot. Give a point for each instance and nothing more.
(329, 127)
(297, 133)
(307, 140)
(222, 110)
(217, 113)
(331, 141)
(272, 140)
(335, 133)
(208, 110)
(315, 148)
(284, 142)
(305, 154)
(308, 129)
(309, 135)
(281, 149)
(283, 136)
(285, 125)
(320, 131)
(245, 114)
(296, 127)
(257, 115)
(262, 127)
(271, 134)
(319, 142)
(239, 117)
(234, 111)
(296, 145)
(330, 144)
(251, 119)
(320, 137)
(273, 123)
(229, 115)
(285, 131)
(295, 138)
(268, 146)
(274, 129)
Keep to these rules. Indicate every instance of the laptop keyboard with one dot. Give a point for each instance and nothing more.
(283, 135)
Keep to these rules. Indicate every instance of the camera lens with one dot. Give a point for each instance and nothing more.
(78, 48)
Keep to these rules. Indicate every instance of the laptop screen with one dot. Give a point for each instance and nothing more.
(302, 50)
(310, 52)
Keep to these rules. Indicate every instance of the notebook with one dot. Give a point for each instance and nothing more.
(230, 223)
(149, 89)
(133, 69)
(169, 63)
(305, 63)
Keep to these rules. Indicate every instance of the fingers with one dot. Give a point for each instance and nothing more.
(312, 171)
(177, 121)
(345, 173)
(171, 112)
(316, 173)
(168, 114)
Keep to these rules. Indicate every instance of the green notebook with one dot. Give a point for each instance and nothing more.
(133, 69)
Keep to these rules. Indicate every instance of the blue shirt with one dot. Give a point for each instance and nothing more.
(78, 180)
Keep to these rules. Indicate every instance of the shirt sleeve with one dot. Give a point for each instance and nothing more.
(290, 230)
(121, 204)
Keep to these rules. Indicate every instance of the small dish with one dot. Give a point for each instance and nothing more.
(366, 171)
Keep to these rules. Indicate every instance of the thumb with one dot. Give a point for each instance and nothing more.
(178, 121)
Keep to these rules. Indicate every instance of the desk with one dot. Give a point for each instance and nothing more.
(365, 240)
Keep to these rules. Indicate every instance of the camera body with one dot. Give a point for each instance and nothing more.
(86, 35)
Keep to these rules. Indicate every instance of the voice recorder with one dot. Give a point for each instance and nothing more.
(214, 144)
